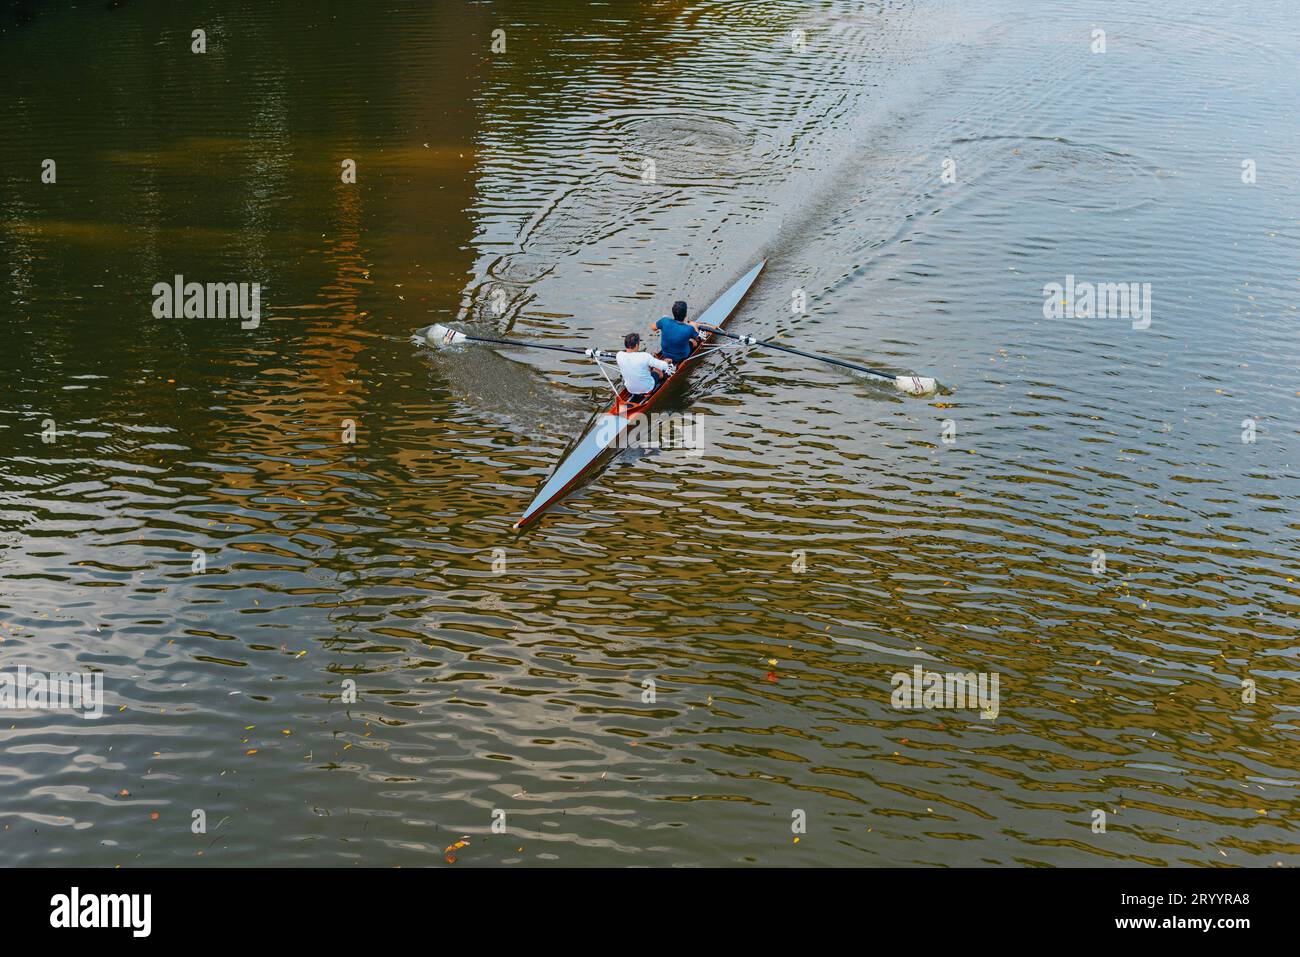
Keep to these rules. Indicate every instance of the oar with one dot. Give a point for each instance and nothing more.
(911, 384)
(439, 335)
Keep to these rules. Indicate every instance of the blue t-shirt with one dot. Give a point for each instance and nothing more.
(675, 338)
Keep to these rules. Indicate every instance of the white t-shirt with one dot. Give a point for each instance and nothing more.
(636, 367)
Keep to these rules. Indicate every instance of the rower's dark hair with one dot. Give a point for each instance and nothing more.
(631, 340)
(679, 311)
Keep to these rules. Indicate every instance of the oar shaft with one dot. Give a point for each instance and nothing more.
(533, 345)
(526, 345)
(808, 355)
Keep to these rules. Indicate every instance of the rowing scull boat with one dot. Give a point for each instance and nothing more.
(610, 426)
(614, 423)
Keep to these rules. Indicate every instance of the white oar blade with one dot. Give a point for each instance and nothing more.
(915, 384)
(439, 335)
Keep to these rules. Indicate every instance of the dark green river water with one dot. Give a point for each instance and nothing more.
(338, 653)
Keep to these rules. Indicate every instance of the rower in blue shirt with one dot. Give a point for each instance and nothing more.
(677, 337)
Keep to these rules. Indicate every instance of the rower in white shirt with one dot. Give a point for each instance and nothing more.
(642, 372)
